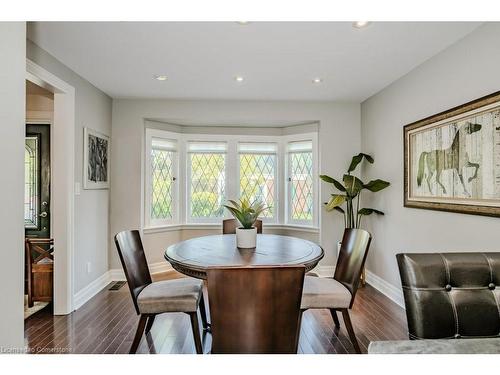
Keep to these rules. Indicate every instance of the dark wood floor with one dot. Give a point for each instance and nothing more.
(106, 324)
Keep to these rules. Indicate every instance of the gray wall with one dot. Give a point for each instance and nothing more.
(12, 131)
(465, 71)
(339, 138)
(92, 109)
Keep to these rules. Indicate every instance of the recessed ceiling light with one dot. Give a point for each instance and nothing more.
(317, 80)
(160, 77)
(242, 22)
(360, 24)
(238, 79)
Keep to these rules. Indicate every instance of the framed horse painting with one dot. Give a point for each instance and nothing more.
(452, 159)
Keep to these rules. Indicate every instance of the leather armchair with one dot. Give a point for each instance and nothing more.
(451, 295)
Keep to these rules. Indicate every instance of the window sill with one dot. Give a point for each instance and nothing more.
(176, 227)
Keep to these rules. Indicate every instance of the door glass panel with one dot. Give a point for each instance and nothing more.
(31, 182)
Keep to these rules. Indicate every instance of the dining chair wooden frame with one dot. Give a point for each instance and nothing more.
(133, 259)
(350, 264)
(255, 309)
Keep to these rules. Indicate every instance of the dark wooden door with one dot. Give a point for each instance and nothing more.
(37, 181)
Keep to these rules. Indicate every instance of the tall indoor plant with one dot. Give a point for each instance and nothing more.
(246, 213)
(349, 192)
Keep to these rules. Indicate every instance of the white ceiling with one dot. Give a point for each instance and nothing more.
(277, 59)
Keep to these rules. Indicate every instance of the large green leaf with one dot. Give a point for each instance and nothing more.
(245, 212)
(333, 181)
(339, 209)
(376, 185)
(335, 201)
(352, 184)
(369, 211)
(235, 204)
(357, 159)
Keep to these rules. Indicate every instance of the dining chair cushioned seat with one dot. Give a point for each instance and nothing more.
(170, 296)
(324, 293)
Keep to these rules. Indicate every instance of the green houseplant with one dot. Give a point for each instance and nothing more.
(246, 213)
(348, 193)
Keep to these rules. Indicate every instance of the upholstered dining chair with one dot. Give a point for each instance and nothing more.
(337, 293)
(255, 309)
(153, 298)
(229, 226)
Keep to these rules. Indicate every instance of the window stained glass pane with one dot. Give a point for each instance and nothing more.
(31, 182)
(162, 168)
(257, 179)
(207, 184)
(301, 186)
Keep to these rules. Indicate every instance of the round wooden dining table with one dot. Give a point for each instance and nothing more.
(193, 257)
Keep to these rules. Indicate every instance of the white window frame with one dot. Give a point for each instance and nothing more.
(313, 137)
(149, 222)
(181, 205)
(277, 179)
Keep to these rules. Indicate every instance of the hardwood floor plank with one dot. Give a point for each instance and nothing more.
(107, 324)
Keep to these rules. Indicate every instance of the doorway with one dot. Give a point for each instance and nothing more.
(39, 245)
(60, 204)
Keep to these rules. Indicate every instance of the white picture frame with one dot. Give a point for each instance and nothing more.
(96, 158)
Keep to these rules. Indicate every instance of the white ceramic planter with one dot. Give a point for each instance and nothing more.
(246, 238)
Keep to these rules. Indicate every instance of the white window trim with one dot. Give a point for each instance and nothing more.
(182, 220)
(218, 227)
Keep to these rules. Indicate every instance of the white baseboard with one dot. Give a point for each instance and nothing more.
(116, 274)
(83, 295)
(390, 291)
(387, 289)
(324, 271)
(160, 267)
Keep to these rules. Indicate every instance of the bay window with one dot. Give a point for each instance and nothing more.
(188, 178)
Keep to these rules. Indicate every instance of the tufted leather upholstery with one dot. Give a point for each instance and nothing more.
(451, 295)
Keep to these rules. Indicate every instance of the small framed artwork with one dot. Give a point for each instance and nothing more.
(452, 159)
(95, 160)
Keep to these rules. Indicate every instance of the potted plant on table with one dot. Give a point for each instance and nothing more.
(246, 213)
(346, 199)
